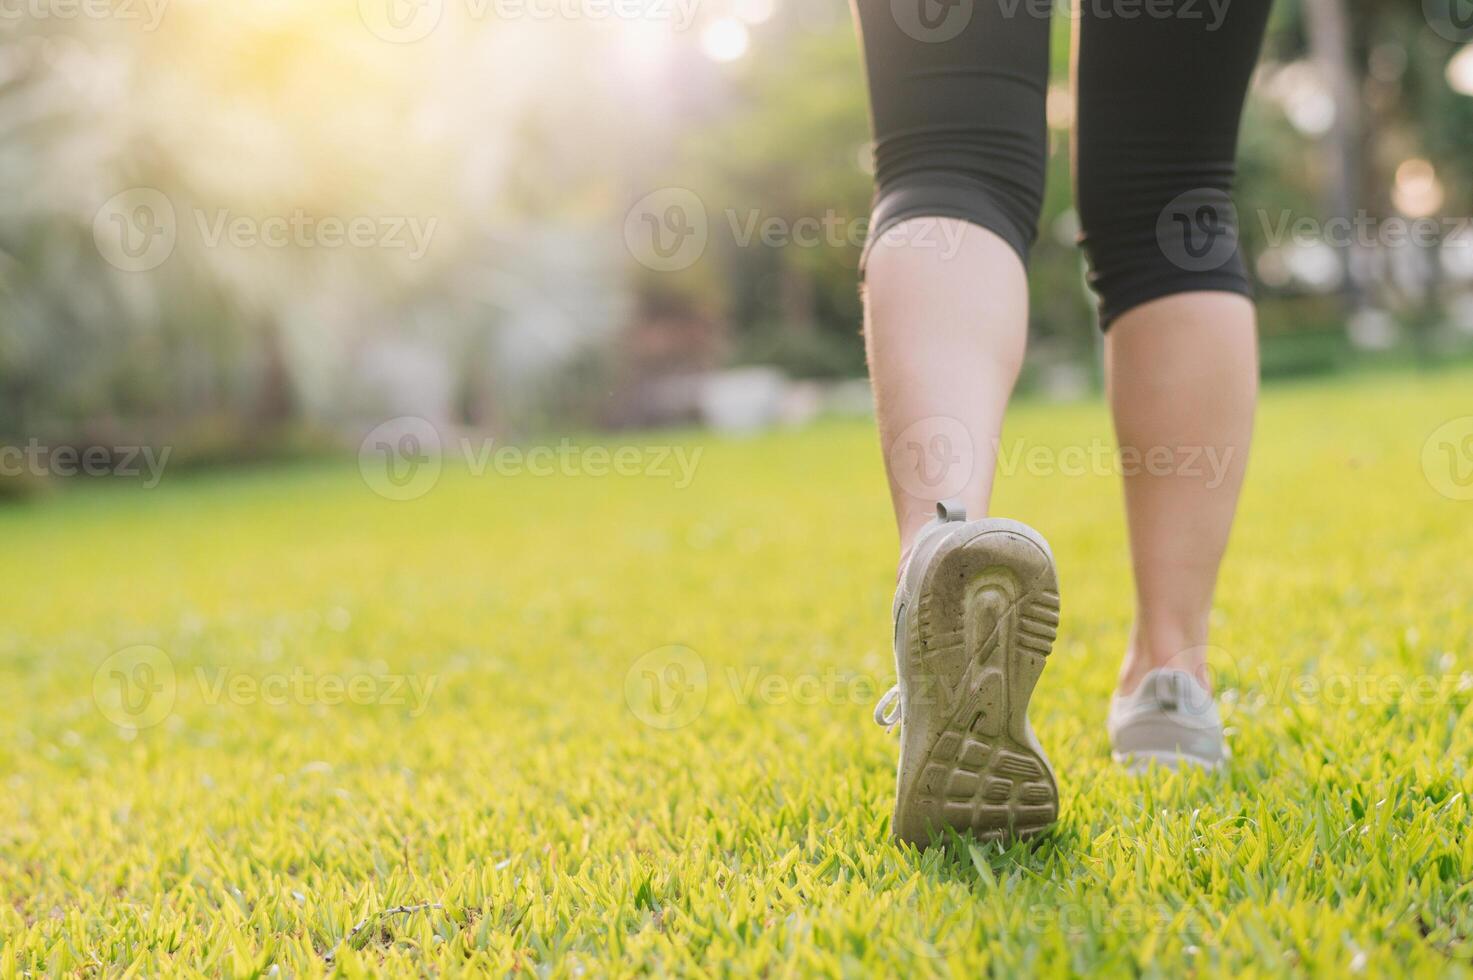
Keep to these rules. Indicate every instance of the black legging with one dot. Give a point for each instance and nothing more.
(958, 91)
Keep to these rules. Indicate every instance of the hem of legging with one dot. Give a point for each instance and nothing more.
(941, 201)
(1145, 293)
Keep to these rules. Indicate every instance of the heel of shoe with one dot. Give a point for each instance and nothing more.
(989, 609)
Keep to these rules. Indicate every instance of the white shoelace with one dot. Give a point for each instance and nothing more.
(887, 709)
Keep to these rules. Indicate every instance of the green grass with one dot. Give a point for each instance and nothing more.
(557, 833)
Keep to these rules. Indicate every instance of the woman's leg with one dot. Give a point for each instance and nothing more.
(944, 338)
(957, 95)
(1160, 98)
(1182, 374)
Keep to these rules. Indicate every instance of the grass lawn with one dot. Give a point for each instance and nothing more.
(615, 725)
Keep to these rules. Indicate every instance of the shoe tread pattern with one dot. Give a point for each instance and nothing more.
(980, 775)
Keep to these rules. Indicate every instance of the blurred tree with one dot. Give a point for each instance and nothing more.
(789, 197)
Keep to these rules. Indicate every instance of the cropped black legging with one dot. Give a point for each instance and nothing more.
(958, 90)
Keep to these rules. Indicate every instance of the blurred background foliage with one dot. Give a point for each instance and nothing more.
(517, 144)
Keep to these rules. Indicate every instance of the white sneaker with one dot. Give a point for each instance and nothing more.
(975, 617)
(1169, 719)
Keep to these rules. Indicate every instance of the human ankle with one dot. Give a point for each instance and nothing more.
(1184, 650)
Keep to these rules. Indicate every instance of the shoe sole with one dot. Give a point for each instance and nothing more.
(988, 613)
